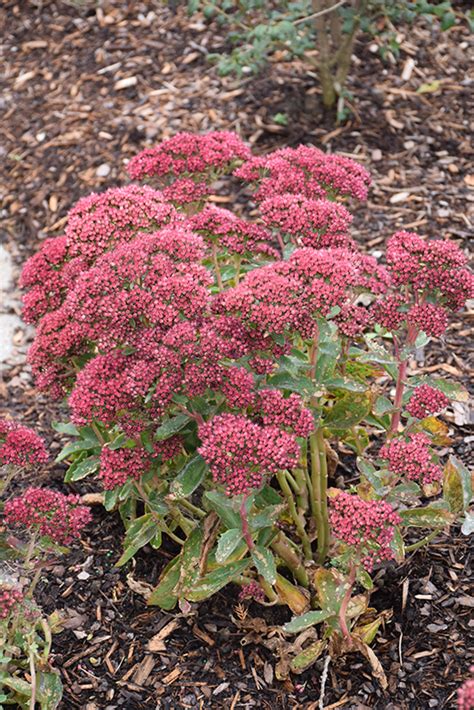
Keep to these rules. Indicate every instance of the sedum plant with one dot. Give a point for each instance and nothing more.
(214, 364)
(36, 525)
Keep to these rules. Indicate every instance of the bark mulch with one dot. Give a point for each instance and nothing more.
(85, 85)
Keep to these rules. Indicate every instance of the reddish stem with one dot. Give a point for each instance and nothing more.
(345, 604)
(400, 387)
(245, 524)
(402, 371)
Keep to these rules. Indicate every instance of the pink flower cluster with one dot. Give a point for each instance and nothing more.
(390, 311)
(426, 400)
(186, 191)
(252, 590)
(153, 282)
(353, 320)
(231, 233)
(10, 597)
(285, 412)
(309, 223)
(20, 446)
(412, 458)
(305, 170)
(189, 154)
(119, 465)
(434, 280)
(466, 694)
(47, 275)
(395, 311)
(432, 265)
(288, 295)
(429, 317)
(100, 221)
(242, 454)
(49, 513)
(97, 223)
(364, 524)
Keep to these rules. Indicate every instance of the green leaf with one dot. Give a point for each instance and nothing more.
(189, 478)
(147, 441)
(448, 20)
(17, 684)
(111, 499)
(283, 381)
(156, 541)
(367, 632)
(49, 690)
(365, 579)
(398, 545)
(171, 427)
(345, 384)
(457, 485)
(193, 6)
(382, 406)
(266, 517)
(164, 595)
(215, 580)
(267, 496)
(404, 491)
(281, 119)
(81, 469)
(381, 356)
(329, 350)
(190, 557)
(311, 618)
(121, 442)
(66, 428)
(468, 524)
(222, 505)
(75, 447)
(265, 563)
(227, 543)
(348, 410)
(139, 534)
(306, 658)
(330, 588)
(156, 503)
(427, 517)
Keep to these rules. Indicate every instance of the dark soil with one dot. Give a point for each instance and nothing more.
(65, 124)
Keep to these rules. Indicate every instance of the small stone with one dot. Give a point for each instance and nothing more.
(399, 197)
(125, 83)
(376, 155)
(79, 634)
(40, 136)
(103, 170)
(434, 628)
(83, 576)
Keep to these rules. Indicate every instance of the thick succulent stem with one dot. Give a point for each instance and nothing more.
(319, 478)
(282, 547)
(299, 523)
